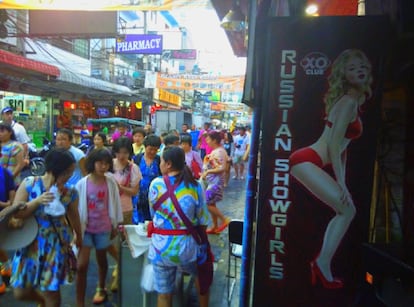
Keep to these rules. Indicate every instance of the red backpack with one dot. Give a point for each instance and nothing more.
(195, 168)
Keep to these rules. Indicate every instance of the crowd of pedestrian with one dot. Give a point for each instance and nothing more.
(110, 186)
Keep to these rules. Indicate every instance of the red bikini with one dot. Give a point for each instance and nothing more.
(354, 129)
(307, 154)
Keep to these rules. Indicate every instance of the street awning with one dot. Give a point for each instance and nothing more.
(16, 62)
(78, 80)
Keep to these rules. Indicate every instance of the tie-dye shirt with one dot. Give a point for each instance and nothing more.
(172, 250)
(8, 160)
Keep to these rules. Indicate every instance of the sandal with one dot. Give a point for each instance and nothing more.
(212, 231)
(3, 287)
(114, 284)
(100, 296)
(223, 226)
(5, 271)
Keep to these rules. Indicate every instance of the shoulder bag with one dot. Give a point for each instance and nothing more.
(71, 260)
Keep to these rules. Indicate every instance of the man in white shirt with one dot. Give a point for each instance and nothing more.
(19, 130)
(241, 147)
(64, 138)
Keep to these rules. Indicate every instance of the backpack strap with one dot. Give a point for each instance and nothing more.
(170, 191)
(158, 159)
(164, 196)
(138, 158)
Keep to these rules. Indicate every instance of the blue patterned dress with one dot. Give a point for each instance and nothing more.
(141, 211)
(41, 264)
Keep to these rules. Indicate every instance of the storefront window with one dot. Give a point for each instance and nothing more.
(31, 111)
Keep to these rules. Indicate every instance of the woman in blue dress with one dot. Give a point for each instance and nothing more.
(40, 268)
(149, 165)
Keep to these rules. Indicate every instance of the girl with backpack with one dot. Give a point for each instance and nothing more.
(192, 157)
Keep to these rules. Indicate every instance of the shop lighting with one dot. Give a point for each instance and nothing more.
(312, 10)
(234, 20)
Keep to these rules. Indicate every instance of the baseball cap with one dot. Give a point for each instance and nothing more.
(7, 109)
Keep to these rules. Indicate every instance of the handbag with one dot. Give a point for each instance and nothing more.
(71, 259)
(147, 279)
(205, 257)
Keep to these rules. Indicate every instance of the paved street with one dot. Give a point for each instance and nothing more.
(232, 206)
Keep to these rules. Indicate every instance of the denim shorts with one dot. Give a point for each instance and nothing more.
(97, 240)
(164, 276)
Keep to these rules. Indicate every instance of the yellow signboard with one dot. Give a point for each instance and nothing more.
(200, 82)
(102, 5)
(169, 97)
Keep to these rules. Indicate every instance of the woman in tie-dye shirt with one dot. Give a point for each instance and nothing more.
(173, 246)
(11, 152)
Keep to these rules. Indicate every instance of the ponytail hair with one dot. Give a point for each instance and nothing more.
(176, 156)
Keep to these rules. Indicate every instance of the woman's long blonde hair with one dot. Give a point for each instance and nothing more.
(338, 85)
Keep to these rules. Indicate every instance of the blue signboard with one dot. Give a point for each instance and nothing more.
(102, 112)
(140, 44)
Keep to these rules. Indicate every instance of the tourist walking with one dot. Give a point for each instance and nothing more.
(100, 213)
(213, 175)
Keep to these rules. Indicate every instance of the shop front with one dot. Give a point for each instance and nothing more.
(73, 115)
(31, 111)
(128, 109)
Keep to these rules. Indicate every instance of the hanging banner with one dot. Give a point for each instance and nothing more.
(321, 116)
(200, 82)
(102, 5)
(140, 44)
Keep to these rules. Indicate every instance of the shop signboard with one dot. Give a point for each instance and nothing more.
(102, 112)
(171, 98)
(320, 122)
(72, 23)
(180, 54)
(140, 44)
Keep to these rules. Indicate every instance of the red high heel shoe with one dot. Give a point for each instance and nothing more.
(316, 273)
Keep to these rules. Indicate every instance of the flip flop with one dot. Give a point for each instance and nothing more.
(100, 296)
(212, 231)
(224, 225)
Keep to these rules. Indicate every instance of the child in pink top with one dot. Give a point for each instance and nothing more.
(100, 213)
(202, 144)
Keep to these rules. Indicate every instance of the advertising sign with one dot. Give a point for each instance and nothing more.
(320, 122)
(180, 54)
(140, 44)
(72, 23)
(200, 82)
(102, 5)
